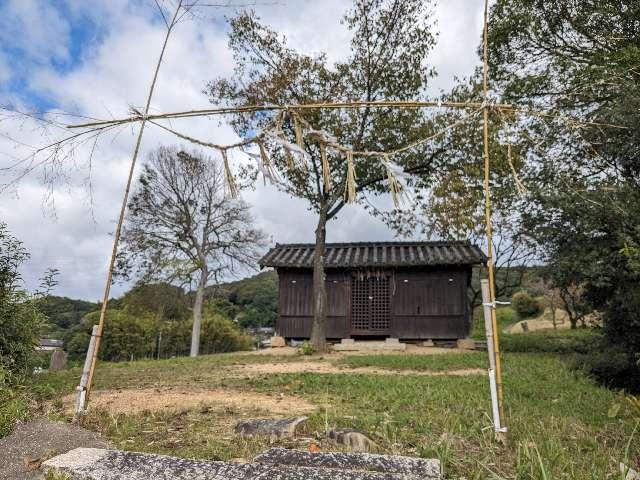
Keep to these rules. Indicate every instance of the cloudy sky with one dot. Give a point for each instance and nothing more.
(96, 59)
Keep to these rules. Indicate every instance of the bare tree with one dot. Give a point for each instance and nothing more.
(182, 228)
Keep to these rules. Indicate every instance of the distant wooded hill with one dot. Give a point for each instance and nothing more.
(250, 302)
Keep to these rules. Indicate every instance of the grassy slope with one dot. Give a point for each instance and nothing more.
(561, 425)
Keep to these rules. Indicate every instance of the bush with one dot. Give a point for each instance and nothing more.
(20, 318)
(14, 406)
(586, 350)
(561, 342)
(128, 336)
(306, 349)
(219, 334)
(525, 305)
(611, 367)
(506, 316)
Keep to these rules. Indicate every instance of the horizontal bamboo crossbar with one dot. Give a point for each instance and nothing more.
(299, 107)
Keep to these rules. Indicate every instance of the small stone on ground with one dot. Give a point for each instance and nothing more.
(278, 342)
(270, 427)
(356, 440)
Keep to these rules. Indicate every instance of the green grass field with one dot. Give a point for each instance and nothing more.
(561, 425)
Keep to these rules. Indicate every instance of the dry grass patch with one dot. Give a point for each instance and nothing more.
(153, 399)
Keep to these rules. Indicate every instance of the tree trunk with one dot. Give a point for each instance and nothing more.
(318, 331)
(197, 315)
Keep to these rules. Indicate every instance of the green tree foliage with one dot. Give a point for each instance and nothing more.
(64, 313)
(526, 305)
(386, 61)
(126, 336)
(154, 321)
(21, 319)
(449, 198)
(167, 301)
(252, 301)
(579, 59)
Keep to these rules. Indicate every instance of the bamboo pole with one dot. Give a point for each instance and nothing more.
(487, 307)
(302, 106)
(487, 212)
(123, 208)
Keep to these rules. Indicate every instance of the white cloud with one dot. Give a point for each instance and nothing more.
(5, 70)
(36, 28)
(116, 72)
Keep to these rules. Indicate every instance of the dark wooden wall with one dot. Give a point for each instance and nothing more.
(425, 303)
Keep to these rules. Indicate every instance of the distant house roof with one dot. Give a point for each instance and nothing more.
(50, 343)
(376, 254)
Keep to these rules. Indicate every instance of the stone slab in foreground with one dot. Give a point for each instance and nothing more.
(99, 464)
(409, 467)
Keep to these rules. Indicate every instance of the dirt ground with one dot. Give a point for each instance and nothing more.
(138, 400)
(179, 398)
(321, 367)
(31, 443)
(534, 325)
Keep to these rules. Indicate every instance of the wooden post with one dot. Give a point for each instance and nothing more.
(84, 380)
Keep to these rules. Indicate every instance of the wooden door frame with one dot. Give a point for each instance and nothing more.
(349, 331)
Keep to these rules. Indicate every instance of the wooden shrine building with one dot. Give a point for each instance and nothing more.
(406, 290)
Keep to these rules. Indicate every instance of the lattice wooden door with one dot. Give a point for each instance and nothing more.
(370, 305)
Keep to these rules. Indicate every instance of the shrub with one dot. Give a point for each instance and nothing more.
(20, 318)
(586, 350)
(526, 305)
(561, 342)
(506, 316)
(219, 334)
(306, 349)
(611, 367)
(129, 336)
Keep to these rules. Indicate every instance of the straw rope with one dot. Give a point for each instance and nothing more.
(520, 188)
(137, 117)
(350, 186)
(230, 181)
(303, 128)
(326, 173)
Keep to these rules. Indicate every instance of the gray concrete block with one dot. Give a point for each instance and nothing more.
(409, 467)
(370, 346)
(98, 464)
